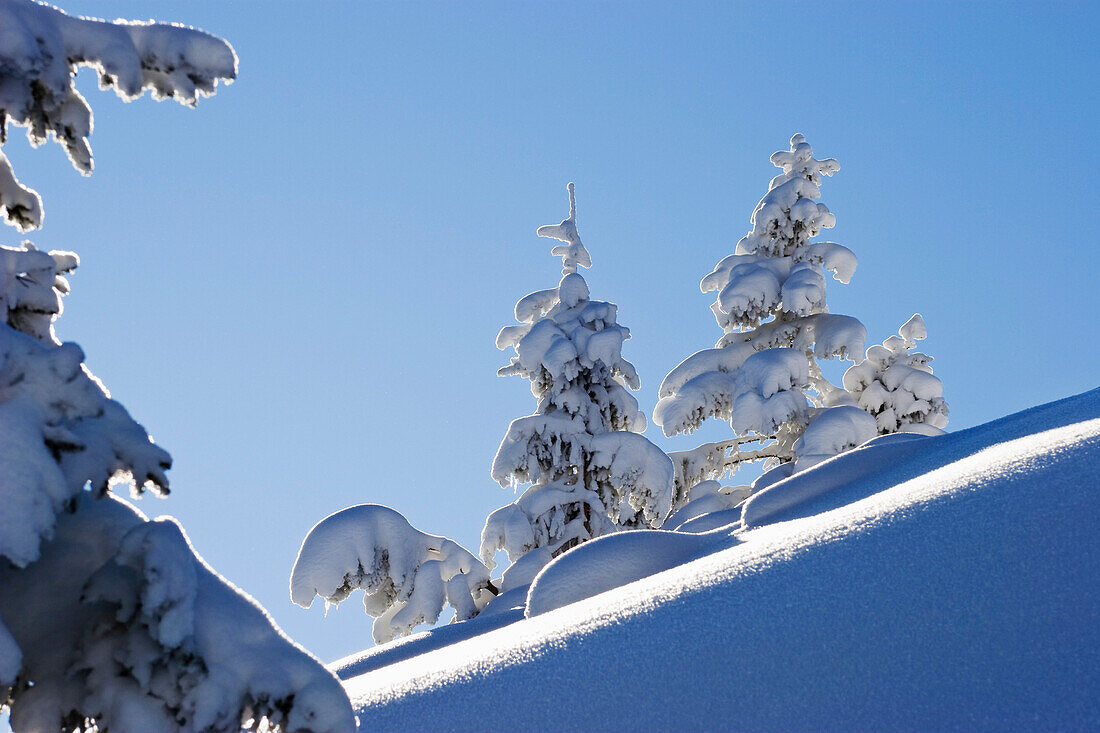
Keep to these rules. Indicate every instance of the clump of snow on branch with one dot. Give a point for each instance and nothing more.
(834, 430)
(590, 472)
(22, 206)
(895, 384)
(407, 576)
(573, 253)
(41, 50)
(763, 376)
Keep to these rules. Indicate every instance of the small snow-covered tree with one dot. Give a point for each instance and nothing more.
(764, 376)
(108, 620)
(895, 384)
(407, 576)
(589, 469)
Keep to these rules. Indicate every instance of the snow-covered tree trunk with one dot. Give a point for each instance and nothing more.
(590, 471)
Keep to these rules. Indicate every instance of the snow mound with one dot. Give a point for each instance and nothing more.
(951, 586)
(613, 561)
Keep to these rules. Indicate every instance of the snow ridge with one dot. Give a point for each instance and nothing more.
(930, 591)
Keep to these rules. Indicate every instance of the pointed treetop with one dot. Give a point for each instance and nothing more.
(799, 162)
(573, 254)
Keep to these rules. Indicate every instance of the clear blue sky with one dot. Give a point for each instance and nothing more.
(297, 287)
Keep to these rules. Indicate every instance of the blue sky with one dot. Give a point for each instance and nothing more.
(297, 286)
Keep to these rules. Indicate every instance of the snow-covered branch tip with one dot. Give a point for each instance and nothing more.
(42, 50)
(22, 206)
(573, 254)
(407, 576)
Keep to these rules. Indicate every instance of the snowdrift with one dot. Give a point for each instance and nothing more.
(940, 583)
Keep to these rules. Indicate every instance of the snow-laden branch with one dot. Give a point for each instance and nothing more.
(714, 461)
(407, 576)
(68, 430)
(41, 50)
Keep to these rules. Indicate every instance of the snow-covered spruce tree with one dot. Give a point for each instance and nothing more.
(895, 384)
(590, 472)
(108, 620)
(763, 376)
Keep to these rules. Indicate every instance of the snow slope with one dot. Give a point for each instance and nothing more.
(955, 586)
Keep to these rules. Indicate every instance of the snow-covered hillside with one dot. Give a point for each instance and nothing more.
(948, 583)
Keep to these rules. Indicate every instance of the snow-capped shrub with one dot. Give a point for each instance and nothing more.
(407, 576)
(590, 472)
(763, 375)
(895, 384)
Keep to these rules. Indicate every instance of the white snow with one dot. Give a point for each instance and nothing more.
(589, 470)
(895, 384)
(22, 206)
(943, 583)
(120, 620)
(834, 430)
(42, 48)
(771, 305)
(407, 576)
(63, 428)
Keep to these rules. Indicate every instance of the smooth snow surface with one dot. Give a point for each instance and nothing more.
(949, 585)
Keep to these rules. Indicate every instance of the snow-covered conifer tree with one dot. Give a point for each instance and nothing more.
(895, 384)
(589, 469)
(763, 376)
(108, 620)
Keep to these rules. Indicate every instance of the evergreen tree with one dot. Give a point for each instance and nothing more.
(109, 620)
(590, 471)
(764, 376)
